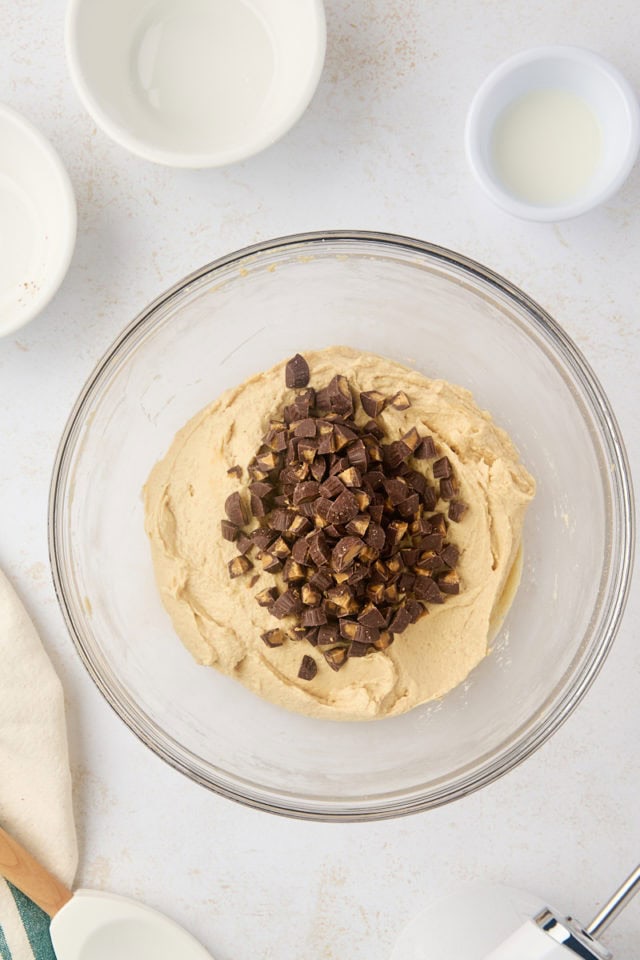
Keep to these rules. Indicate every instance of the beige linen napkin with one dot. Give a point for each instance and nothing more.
(35, 782)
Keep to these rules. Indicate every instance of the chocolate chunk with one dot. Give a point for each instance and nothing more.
(244, 543)
(293, 572)
(359, 525)
(358, 649)
(314, 617)
(457, 509)
(370, 616)
(229, 530)
(395, 453)
(415, 609)
(384, 640)
(266, 597)
(308, 668)
(258, 506)
(280, 548)
(287, 604)
(429, 560)
(336, 657)
(438, 524)
(375, 536)
(400, 401)
(310, 596)
(373, 402)
(261, 488)
(358, 456)
(280, 519)
(345, 552)
(332, 487)
(307, 450)
(311, 636)
(343, 509)
(397, 489)
(263, 538)
(447, 489)
(409, 507)
(270, 564)
(374, 429)
(268, 461)
(307, 490)
(407, 582)
(442, 469)
(450, 554)
(319, 469)
(429, 498)
(411, 439)
(358, 572)
(426, 449)
(417, 481)
(296, 372)
(427, 589)
(300, 550)
(274, 638)
(236, 510)
(340, 398)
(449, 582)
(328, 633)
(433, 541)
(306, 428)
(319, 549)
(235, 471)
(366, 634)
(401, 620)
(238, 566)
(321, 579)
(348, 629)
(321, 508)
(343, 435)
(350, 477)
(376, 512)
(410, 556)
(299, 526)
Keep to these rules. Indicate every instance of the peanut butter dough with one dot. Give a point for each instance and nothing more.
(217, 617)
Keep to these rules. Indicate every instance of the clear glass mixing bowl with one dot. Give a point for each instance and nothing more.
(418, 304)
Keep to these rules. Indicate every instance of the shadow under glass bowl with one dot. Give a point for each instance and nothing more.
(415, 303)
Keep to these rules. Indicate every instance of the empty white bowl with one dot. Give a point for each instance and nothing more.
(589, 81)
(195, 83)
(37, 221)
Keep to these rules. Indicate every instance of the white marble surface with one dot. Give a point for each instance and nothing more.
(380, 147)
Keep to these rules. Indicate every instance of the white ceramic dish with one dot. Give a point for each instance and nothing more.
(575, 71)
(195, 83)
(37, 221)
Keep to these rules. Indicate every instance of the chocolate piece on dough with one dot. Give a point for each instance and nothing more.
(296, 372)
(308, 668)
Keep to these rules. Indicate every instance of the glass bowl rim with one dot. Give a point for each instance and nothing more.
(406, 801)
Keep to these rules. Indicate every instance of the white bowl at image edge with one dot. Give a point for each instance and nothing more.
(37, 221)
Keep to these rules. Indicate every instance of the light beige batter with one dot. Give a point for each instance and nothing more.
(218, 619)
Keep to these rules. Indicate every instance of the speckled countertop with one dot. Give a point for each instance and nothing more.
(381, 148)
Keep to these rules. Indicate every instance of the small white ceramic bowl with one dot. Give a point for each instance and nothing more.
(195, 83)
(37, 221)
(575, 71)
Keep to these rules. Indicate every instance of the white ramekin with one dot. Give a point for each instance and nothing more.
(109, 46)
(566, 68)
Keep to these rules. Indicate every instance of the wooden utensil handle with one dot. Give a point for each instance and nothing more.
(24, 872)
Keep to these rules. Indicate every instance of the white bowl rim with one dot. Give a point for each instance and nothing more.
(376, 808)
(500, 75)
(191, 159)
(67, 239)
